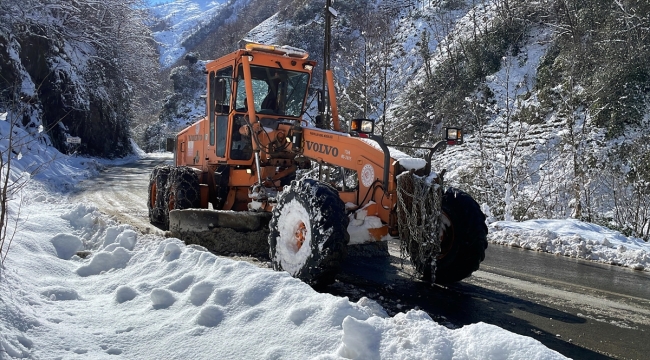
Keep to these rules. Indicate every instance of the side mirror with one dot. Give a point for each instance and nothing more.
(362, 127)
(454, 136)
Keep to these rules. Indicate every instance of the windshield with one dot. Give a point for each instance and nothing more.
(275, 91)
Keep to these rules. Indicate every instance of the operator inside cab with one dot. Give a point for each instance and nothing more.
(271, 102)
(276, 91)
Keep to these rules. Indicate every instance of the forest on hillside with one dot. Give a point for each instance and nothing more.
(552, 95)
(555, 96)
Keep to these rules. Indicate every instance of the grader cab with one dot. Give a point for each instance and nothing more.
(253, 174)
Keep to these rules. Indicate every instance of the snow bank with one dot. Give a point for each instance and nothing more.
(147, 297)
(405, 336)
(575, 239)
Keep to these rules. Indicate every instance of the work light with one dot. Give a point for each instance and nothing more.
(362, 127)
(454, 136)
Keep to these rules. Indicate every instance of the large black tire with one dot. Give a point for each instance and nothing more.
(309, 236)
(183, 191)
(465, 241)
(156, 202)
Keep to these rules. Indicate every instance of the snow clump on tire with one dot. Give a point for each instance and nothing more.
(308, 237)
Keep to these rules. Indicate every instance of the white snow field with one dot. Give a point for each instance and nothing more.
(140, 296)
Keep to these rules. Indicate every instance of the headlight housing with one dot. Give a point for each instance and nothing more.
(454, 136)
(362, 127)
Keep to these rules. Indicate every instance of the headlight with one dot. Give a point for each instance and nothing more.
(454, 136)
(367, 126)
(362, 127)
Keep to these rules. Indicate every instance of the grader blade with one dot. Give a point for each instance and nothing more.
(418, 213)
(223, 232)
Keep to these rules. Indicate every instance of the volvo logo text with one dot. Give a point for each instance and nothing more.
(323, 149)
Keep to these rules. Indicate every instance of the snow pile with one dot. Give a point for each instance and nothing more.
(135, 295)
(66, 245)
(359, 226)
(412, 163)
(575, 239)
(404, 336)
(76, 284)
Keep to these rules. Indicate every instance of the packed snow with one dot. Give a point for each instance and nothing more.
(76, 284)
(575, 239)
(289, 255)
(360, 223)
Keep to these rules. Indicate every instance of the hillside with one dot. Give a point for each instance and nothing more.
(556, 127)
(76, 69)
(175, 25)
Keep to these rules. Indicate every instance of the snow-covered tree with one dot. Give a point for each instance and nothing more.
(87, 65)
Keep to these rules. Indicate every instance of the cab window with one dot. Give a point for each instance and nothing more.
(219, 106)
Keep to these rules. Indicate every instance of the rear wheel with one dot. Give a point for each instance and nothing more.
(183, 191)
(309, 235)
(156, 201)
(465, 238)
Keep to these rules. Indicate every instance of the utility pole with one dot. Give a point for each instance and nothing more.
(324, 113)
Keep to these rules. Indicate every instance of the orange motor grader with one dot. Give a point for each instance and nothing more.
(262, 169)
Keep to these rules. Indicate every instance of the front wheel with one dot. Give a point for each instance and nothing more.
(464, 240)
(309, 237)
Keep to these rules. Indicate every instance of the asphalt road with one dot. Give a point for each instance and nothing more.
(581, 309)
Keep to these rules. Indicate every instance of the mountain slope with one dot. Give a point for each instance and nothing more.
(77, 68)
(177, 21)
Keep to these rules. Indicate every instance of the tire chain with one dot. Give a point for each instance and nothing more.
(419, 208)
(183, 185)
(159, 176)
